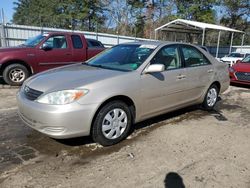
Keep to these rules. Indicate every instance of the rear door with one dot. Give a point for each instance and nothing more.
(79, 48)
(166, 89)
(59, 54)
(199, 71)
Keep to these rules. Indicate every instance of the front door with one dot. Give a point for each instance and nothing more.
(59, 53)
(164, 90)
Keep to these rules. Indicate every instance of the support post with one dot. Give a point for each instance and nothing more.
(117, 37)
(96, 32)
(155, 35)
(242, 42)
(231, 43)
(203, 37)
(3, 36)
(218, 45)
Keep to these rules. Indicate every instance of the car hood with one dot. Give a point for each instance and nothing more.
(12, 49)
(69, 77)
(230, 58)
(242, 67)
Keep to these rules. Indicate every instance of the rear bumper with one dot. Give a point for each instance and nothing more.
(224, 86)
(57, 121)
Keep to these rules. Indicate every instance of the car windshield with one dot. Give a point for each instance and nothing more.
(246, 59)
(126, 57)
(32, 42)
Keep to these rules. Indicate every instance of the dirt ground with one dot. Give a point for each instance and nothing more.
(187, 148)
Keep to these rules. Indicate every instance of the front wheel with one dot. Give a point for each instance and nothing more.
(211, 97)
(15, 74)
(112, 123)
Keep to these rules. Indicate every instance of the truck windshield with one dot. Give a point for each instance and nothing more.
(126, 57)
(246, 60)
(236, 55)
(32, 42)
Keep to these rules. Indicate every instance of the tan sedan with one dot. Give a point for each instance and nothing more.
(124, 85)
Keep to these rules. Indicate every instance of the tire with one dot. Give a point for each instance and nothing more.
(15, 74)
(112, 123)
(211, 98)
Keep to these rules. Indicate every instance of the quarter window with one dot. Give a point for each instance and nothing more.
(57, 42)
(168, 56)
(77, 41)
(94, 43)
(193, 57)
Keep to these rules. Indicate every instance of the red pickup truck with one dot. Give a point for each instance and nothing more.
(43, 52)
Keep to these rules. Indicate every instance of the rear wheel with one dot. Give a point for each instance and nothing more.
(112, 123)
(211, 97)
(15, 74)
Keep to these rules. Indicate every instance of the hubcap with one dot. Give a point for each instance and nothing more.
(211, 97)
(17, 75)
(114, 123)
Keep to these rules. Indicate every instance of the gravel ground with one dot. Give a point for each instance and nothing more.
(187, 148)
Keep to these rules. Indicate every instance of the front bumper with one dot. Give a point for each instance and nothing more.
(234, 79)
(57, 121)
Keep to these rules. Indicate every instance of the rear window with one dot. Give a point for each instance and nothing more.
(77, 41)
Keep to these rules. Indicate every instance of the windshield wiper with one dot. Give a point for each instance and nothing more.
(106, 67)
(99, 66)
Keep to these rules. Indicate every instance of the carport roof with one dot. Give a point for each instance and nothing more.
(180, 25)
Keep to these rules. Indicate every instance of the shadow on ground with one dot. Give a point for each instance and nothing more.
(2, 81)
(241, 85)
(173, 180)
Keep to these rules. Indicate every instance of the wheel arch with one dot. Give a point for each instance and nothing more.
(16, 61)
(127, 100)
(218, 85)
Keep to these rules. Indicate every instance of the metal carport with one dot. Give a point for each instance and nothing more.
(188, 26)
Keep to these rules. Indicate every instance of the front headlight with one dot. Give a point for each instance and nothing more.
(231, 69)
(62, 97)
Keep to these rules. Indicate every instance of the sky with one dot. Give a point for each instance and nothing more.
(7, 6)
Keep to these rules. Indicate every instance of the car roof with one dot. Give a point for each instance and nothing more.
(157, 43)
(62, 33)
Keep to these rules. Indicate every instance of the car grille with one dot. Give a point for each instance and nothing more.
(243, 76)
(31, 94)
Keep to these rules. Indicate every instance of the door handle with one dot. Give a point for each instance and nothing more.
(180, 77)
(68, 54)
(210, 71)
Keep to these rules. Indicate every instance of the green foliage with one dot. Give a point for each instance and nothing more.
(236, 16)
(198, 10)
(136, 18)
(68, 14)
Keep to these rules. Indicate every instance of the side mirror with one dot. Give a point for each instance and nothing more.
(154, 68)
(46, 47)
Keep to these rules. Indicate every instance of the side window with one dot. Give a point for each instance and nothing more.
(193, 57)
(77, 41)
(94, 43)
(57, 42)
(168, 56)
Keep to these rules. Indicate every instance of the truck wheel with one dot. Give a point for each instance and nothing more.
(15, 74)
(112, 123)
